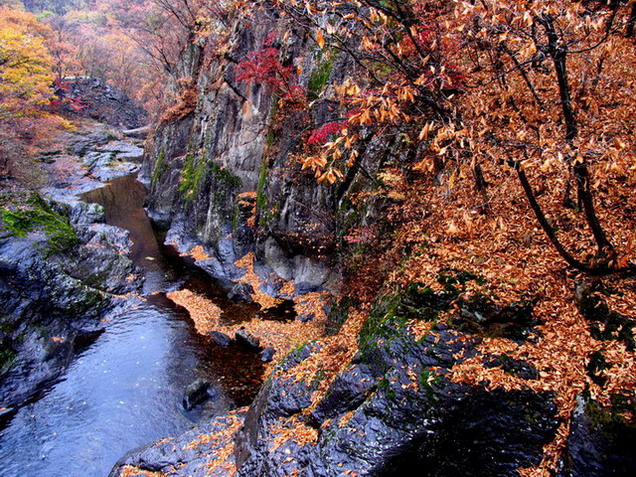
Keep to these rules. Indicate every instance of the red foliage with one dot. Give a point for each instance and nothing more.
(322, 135)
(264, 67)
(66, 99)
(271, 38)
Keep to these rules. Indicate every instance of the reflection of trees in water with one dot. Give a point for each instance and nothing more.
(123, 201)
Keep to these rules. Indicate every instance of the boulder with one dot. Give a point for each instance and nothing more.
(248, 340)
(196, 393)
(221, 338)
(267, 355)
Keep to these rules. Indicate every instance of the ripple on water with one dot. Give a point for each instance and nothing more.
(125, 389)
(122, 392)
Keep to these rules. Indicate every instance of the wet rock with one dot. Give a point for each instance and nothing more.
(83, 215)
(196, 393)
(52, 296)
(221, 338)
(241, 293)
(600, 443)
(267, 355)
(481, 315)
(6, 342)
(391, 413)
(247, 340)
(516, 367)
(189, 453)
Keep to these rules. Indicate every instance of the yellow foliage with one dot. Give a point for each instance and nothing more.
(26, 65)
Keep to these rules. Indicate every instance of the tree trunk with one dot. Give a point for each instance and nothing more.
(558, 53)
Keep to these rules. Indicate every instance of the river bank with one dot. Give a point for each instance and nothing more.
(98, 359)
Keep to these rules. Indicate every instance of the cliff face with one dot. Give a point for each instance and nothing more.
(223, 175)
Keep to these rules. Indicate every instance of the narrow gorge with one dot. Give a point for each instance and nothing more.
(313, 263)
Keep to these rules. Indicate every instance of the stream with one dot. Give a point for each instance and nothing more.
(126, 389)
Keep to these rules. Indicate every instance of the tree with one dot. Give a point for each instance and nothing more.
(26, 80)
(478, 87)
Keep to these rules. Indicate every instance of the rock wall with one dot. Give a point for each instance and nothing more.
(94, 98)
(223, 175)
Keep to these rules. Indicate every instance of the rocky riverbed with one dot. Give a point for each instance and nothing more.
(96, 359)
(63, 268)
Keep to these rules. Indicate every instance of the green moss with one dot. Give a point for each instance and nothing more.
(97, 280)
(394, 310)
(454, 280)
(160, 167)
(94, 300)
(318, 377)
(339, 314)
(320, 75)
(7, 356)
(194, 170)
(610, 420)
(428, 381)
(607, 324)
(261, 197)
(7, 326)
(271, 138)
(420, 302)
(385, 387)
(235, 218)
(224, 176)
(38, 215)
(383, 322)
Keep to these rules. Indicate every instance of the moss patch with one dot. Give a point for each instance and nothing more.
(194, 170)
(7, 357)
(320, 75)
(613, 420)
(261, 197)
(605, 323)
(38, 215)
(160, 167)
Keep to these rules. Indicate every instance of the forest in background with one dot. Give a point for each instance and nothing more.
(133, 46)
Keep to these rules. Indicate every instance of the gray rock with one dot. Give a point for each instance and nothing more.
(196, 393)
(42, 287)
(102, 102)
(241, 293)
(221, 339)
(600, 443)
(247, 340)
(139, 133)
(396, 424)
(267, 355)
(188, 452)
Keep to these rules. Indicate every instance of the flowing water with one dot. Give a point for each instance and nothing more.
(126, 389)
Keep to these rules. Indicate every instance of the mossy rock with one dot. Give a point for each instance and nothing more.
(261, 196)
(160, 168)
(391, 313)
(38, 215)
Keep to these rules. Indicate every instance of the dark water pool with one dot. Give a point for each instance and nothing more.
(126, 389)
